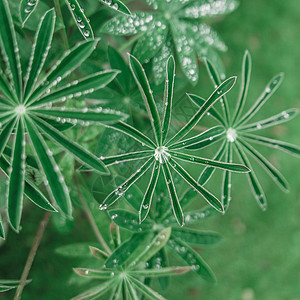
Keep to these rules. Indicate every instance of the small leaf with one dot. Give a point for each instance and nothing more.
(52, 175)
(119, 191)
(168, 96)
(176, 207)
(98, 253)
(80, 153)
(90, 273)
(8, 284)
(156, 244)
(147, 200)
(274, 120)
(26, 8)
(226, 186)
(210, 198)
(130, 221)
(140, 77)
(201, 214)
(75, 250)
(40, 48)
(9, 47)
(80, 88)
(171, 271)
(6, 89)
(253, 181)
(116, 159)
(134, 133)
(216, 164)
(192, 258)
(16, 178)
(270, 89)
(124, 252)
(196, 237)
(5, 134)
(83, 116)
(289, 148)
(80, 19)
(220, 91)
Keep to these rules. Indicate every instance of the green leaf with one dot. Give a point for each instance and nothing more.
(130, 290)
(221, 90)
(192, 258)
(2, 233)
(206, 8)
(274, 120)
(216, 164)
(226, 185)
(208, 197)
(30, 190)
(90, 273)
(8, 284)
(130, 221)
(40, 49)
(253, 181)
(52, 175)
(81, 154)
(208, 171)
(272, 171)
(119, 191)
(9, 48)
(65, 66)
(171, 271)
(201, 214)
(176, 207)
(146, 290)
(158, 242)
(201, 140)
(289, 148)
(147, 200)
(117, 62)
(185, 52)
(117, 5)
(80, 19)
(196, 237)
(116, 159)
(134, 133)
(168, 96)
(6, 133)
(123, 252)
(151, 42)
(95, 292)
(140, 77)
(246, 73)
(200, 101)
(26, 8)
(6, 89)
(16, 178)
(80, 88)
(85, 116)
(75, 250)
(98, 253)
(270, 89)
(160, 260)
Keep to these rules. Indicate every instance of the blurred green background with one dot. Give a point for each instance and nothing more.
(259, 257)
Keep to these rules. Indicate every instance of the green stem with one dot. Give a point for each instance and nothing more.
(63, 30)
(130, 41)
(31, 255)
(91, 219)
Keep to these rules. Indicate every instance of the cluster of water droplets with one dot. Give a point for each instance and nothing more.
(112, 4)
(29, 7)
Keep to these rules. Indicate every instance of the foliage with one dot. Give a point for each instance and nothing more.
(80, 107)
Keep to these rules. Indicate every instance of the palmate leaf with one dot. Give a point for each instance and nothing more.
(80, 19)
(10, 48)
(40, 49)
(26, 8)
(130, 290)
(52, 175)
(16, 178)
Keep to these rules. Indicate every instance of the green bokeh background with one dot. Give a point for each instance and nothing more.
(259, 257)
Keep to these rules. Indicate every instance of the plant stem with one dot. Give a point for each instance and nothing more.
(91, 219)
(31, 255)
(63, 30)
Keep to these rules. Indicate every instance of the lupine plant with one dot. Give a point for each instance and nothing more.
(63, 92)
